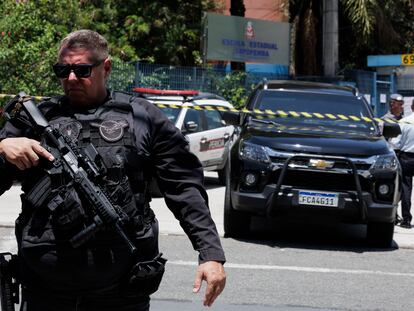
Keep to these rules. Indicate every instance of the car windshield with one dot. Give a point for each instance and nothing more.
(316, 103)
(171, 113)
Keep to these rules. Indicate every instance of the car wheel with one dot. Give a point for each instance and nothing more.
(236, 224)
(380, 234)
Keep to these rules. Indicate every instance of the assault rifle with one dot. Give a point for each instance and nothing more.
(9, 286)
(79, 164)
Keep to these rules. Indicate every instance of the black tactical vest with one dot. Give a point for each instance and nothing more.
(53, 211)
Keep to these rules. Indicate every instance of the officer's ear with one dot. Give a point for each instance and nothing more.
(107, 67)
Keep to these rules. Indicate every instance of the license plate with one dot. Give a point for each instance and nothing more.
(318, 198)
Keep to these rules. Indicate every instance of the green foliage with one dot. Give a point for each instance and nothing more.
(384, 17)
(234, 88)
(361, 15)
(378, 27)
(165, 32)
(122, 75)
(30, 35)
(366, 27)
(154, 31)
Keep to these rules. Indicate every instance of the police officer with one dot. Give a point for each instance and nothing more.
(135, 141)
(405, 144)
(395, 113)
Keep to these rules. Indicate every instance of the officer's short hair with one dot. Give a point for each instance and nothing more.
(87, 39)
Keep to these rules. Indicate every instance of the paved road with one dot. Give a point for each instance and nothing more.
(295, 273)
(290, 269)
(10, 206)
(403, 238)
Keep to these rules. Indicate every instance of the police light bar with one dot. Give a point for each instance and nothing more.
(144, 90)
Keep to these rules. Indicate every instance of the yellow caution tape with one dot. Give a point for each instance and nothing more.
(35, 97)
(259, 113)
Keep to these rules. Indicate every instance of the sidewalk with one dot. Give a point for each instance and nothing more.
(10, 207)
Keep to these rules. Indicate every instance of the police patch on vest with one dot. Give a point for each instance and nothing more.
(71, 129)
(111, 130)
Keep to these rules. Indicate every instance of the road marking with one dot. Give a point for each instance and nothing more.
(296, 269)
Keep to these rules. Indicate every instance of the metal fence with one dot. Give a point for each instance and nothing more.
(126, 76)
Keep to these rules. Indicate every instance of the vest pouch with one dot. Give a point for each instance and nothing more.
(120, 193)
(38, 231)
(144, 278)
(68, 214)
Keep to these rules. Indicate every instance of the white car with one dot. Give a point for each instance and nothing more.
(208, 134)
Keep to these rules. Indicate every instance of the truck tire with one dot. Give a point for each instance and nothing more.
(380, 234)
(236, 224)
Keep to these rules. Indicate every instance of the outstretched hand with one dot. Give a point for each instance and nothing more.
(213, 273)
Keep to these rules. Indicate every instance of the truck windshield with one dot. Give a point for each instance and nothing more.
(316, 103)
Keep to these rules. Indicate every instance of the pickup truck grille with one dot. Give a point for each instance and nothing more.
(305, 163)
(322, 181)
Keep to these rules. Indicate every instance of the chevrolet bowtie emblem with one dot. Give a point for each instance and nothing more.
(321, 164)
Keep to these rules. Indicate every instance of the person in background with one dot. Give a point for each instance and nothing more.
(395, 113)
(396, 108)
(405, 144)
(135, 142)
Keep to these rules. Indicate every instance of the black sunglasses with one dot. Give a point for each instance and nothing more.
(62, 71)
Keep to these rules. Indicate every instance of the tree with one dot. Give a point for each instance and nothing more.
(30, 35)
(377, 27)
(304, 17)
(156, 31)
(164, 31)
(366, 27)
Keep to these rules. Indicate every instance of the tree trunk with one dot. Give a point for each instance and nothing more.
(306, 38)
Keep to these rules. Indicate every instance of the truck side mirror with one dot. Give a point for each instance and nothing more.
(231, 118)
(391, 130)
(191, 127)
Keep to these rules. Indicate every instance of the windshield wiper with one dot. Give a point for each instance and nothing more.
(266, 122)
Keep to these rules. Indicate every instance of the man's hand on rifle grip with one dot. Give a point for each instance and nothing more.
(23, 152)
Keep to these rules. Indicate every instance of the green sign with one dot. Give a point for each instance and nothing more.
(233, 38)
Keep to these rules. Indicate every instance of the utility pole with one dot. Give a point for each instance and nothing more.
(330, 37)
(237, 8)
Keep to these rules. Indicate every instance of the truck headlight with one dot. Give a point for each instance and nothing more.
(253, 152)
(385, 162)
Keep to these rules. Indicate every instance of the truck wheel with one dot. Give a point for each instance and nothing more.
(236, 224)
(380, 234)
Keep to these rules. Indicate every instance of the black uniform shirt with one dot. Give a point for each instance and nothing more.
(178, 171)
